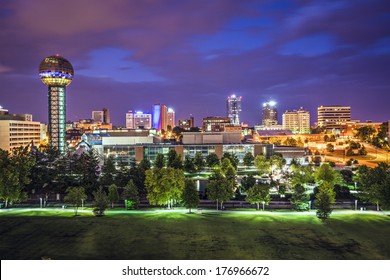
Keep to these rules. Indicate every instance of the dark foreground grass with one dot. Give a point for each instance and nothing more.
(184, 236)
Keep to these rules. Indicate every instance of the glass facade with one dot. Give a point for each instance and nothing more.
(119, 153)
(150, 152)
(191, 150)
(239, 150)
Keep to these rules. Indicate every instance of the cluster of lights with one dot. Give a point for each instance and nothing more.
(271, 103)
(50, 74)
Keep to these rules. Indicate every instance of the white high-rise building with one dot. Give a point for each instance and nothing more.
(298, 121)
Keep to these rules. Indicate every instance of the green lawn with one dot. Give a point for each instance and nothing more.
(169, 235)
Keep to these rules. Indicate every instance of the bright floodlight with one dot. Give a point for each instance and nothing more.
(272, 103)
(56, 71)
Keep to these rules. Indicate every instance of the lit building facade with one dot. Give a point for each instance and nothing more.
(102, 116)
(130, 119)
(215, 124)
(298, 121)
(18, 130)
(333, 116)
(233, 109)
(171, 118)
(269, 114)
(57, 73)
(187, 124)
(160, 116)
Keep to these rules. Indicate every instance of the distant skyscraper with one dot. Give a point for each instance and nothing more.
(297, 121)
(160, 116)
(102, 116)
(171, 118)
(57, 73)
(269, 114)
(233, 109)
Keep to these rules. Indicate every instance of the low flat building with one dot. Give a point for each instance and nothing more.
(211, 137)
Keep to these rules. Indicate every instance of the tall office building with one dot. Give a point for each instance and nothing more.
(171, 118)
(160, 116)
(333, 116)
(269, 114)
(297, 121)
(57, 73)
(233, 109)
(102, 116)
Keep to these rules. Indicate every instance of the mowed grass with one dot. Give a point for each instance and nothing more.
(169, 235)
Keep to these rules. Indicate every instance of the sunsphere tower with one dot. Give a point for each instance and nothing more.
(57, 73)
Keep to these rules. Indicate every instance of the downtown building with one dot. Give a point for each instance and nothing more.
(233, 109)
(19, 130)
(331, 118)
(102, 116)
(138, 120)
(297, 121)
(269, 114)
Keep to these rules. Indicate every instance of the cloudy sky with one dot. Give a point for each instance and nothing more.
(190, 55)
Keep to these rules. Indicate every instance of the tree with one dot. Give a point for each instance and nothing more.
(301, 175)
(219, 188)
(75, 196)
(248, 159)
(232, 158)
(299, 198)
(199, 162)
(247, 182)
(164, 185)
(262, 164)
(365, 133)
(145, 164)
(259, 193)
(174, 160)
(113, 195)
(108, 172)
(190, 194)
(326, 174)
(100, 201)
(363, 151)
(130, 195)
(189, 165)
(290, 142)
(277, 161)
(212, 160)
(15, 170)
(330, 148)
(374, 185)
(159, 161)
(325, 197)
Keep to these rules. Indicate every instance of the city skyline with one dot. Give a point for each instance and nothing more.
(300, 55)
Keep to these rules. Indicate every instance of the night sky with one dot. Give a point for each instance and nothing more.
(190, 55)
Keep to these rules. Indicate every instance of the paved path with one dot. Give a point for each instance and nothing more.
(276, 213)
